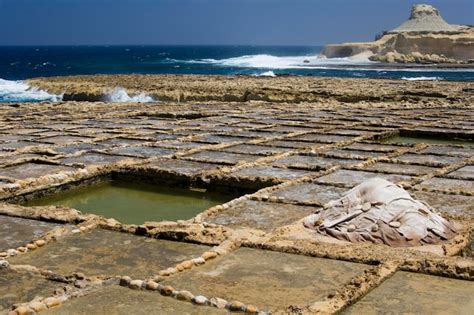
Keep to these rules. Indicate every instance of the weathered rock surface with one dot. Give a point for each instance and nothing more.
(291, 89)
(379, 211)
(424, 38)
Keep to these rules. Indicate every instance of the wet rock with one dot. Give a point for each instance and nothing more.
(185, 296)
(135, 284)
(218, 302)
(200, 300)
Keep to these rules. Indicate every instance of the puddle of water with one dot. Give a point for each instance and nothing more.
(135, 203)
(427, 140)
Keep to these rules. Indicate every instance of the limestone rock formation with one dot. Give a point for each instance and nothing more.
(379, 211)
(424, 38)
(425, 18)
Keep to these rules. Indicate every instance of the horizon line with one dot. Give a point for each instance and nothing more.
(158, 45)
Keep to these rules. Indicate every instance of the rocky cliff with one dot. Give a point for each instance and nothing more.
(424, 38)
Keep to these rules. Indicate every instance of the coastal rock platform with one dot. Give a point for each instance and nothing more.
(291, 89)
(283, 159)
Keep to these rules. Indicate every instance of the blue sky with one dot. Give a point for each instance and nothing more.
(208, 22)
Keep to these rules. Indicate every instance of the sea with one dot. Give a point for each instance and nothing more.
(18, 63)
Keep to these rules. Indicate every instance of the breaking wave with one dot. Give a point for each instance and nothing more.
(120, 95)
(266, 74)
(275, 62)
(20, 91)
(422, 78)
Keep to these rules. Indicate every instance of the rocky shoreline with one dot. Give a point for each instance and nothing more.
(291, 89)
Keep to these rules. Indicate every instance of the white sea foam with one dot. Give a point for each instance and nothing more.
(266, 74)
(20, 91)
(275, 62)
(422, 78)
(264, 61)
(119, 95)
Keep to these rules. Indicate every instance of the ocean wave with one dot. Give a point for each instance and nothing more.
(422, 78)
(357, 64)
(264, 61)
(266, 74)
(20, 91)
(120, 95)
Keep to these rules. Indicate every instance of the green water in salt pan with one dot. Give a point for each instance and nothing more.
(135, 203)
(427, 140)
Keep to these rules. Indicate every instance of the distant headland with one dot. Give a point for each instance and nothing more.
(424, 38)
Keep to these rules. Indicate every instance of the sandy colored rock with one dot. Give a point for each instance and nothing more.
(185, 296)
(38, 306)
(21, 310)
(218, 302)
(152, 285)
(424, 38)
(209, 255)
(251, 309)
(200, 300)
(51, 302)
(166, 290)
(135, 284)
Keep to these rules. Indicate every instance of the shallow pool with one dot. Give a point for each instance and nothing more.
(135, 203)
